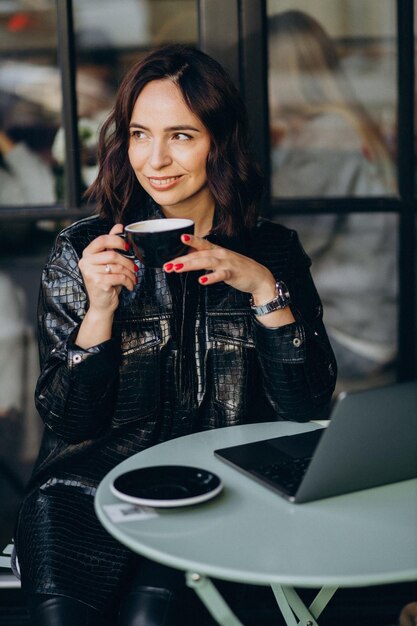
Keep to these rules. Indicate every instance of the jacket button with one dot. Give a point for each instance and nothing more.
(77, 358)
(296, 342)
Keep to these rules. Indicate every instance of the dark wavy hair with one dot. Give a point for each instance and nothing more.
(233, 177)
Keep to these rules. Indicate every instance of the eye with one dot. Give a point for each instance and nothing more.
(137, 134)
(182, 137)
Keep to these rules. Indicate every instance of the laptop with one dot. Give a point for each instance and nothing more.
(371, 440)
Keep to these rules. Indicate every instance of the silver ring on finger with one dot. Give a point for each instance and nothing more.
(107, 269)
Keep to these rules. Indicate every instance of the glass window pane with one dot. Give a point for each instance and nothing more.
(24, 247)
(30, 102)
(332, 97)
(110, 37)
(354, 267)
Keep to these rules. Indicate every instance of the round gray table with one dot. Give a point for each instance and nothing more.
(250, 534)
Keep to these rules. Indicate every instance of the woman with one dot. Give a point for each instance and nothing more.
(327, 145)
(125, 364)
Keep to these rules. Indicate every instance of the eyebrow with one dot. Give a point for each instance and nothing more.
(168, 128)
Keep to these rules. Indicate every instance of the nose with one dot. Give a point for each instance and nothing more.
(159, 156)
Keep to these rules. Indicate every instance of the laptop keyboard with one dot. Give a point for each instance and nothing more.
(286, 474)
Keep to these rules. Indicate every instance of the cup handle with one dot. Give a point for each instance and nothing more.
(126, 253)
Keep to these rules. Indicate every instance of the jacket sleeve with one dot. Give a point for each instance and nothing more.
(297, 362)
(75, 394)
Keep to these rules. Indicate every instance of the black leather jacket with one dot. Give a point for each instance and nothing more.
(105, 403)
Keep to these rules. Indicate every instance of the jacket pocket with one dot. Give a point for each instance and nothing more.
(232, 358)
(234, 328)
(139, 382)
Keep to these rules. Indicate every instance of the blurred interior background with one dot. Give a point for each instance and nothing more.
(329, 86)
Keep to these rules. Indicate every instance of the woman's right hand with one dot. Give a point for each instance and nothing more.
(104, 286)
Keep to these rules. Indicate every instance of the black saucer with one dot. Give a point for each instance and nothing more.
(166, 486)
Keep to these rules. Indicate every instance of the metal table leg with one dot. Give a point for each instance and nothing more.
(321, 600)
(293, 608)
(212, 599)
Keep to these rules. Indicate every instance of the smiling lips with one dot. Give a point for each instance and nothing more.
(163, 183)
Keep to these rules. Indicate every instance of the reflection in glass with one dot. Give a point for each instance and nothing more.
(24, 247)
(324, 141)
(30, 103)
(19, 422)
(354, 266)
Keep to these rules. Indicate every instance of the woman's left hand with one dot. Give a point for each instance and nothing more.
(236, 270)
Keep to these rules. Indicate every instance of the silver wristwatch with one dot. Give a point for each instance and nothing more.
(281, 300)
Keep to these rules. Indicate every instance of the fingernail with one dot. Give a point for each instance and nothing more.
(178, 266)
(203, 279)
(186, 238)
(136, 267)
(127, 247)
(168, 266)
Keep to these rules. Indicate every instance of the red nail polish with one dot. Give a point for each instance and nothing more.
(186, 238)
(178, 266)
(136, 267)
(168, 266)
(127, 247)
(203, 279)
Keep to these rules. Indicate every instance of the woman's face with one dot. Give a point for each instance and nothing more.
(168, 150)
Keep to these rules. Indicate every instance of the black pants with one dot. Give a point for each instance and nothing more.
(155, 596)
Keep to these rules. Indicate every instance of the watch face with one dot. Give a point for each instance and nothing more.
(282, 290)
(283, 295)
